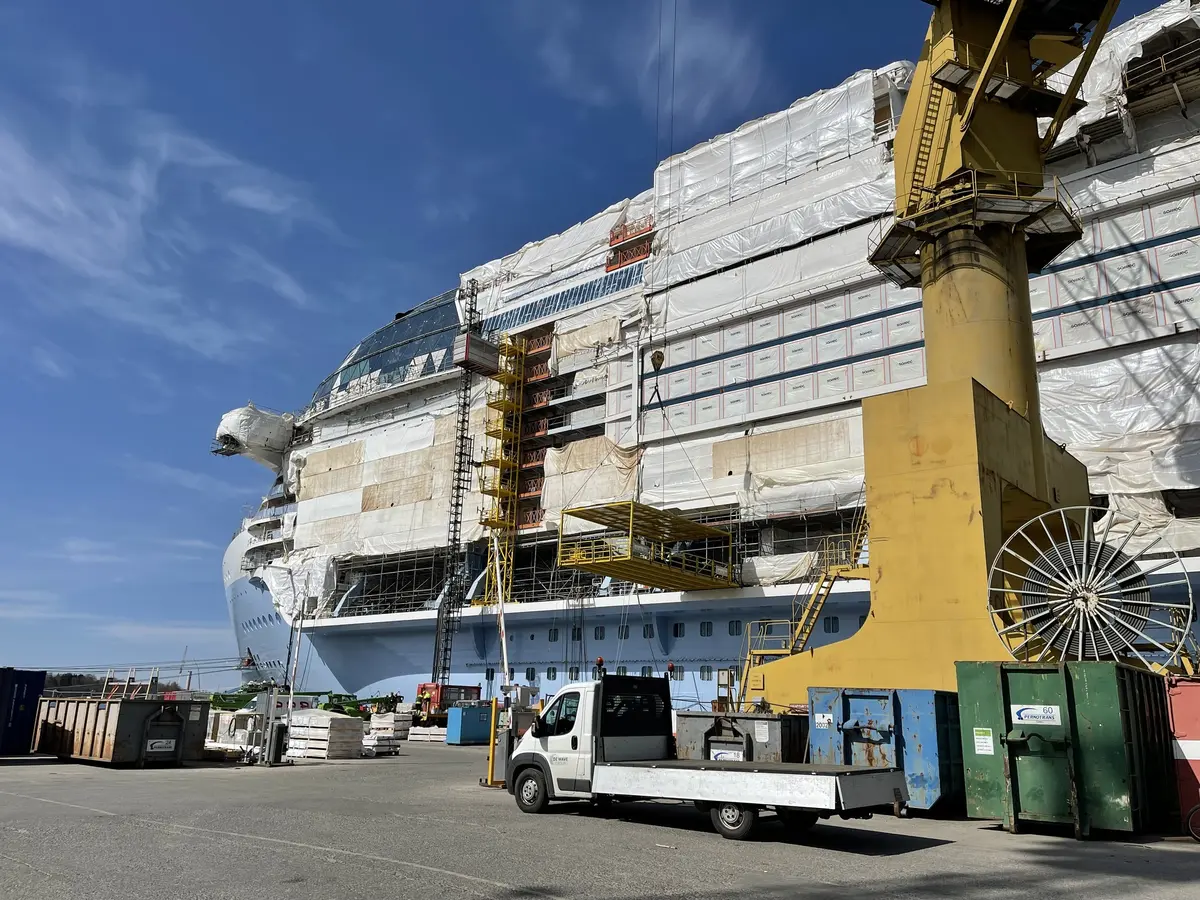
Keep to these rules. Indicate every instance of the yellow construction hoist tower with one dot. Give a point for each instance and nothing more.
(501, 465)
(957, 466)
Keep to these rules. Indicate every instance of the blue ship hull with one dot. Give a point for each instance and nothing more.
(376, 655)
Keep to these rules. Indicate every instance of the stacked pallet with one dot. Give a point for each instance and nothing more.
(429, 733)
(385, 732)
(319, 734)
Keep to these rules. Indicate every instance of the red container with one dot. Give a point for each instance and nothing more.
(1183, 695)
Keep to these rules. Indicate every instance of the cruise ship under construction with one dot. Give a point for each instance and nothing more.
(644, 434)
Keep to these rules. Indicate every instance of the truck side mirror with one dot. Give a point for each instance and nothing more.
(538, 728)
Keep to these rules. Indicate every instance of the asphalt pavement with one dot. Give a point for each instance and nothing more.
(419, 826)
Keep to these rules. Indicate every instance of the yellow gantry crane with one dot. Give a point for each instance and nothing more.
(955, 466)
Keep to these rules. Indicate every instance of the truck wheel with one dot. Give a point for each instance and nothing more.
(1193, 823)
(796, 819)
(733, 821)
(531, 791)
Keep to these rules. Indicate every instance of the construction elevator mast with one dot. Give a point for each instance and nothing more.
(952, 468)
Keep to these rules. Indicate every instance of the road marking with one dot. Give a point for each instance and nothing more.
(103, 812)
(403, 863)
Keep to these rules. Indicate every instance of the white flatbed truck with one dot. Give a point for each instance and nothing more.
(611, 740)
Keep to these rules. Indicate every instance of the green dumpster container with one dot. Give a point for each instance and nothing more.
(1081, 743)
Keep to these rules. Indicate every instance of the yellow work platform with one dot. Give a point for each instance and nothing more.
(642, 547)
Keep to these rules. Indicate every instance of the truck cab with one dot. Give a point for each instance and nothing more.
(616, 719)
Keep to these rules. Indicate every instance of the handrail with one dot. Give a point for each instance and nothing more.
(1141, 74)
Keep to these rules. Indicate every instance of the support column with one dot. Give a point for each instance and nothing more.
(978, 324)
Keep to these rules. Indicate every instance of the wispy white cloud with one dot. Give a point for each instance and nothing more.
(254, 267)
(113, 209)
(28, 603)
(679, 60)
(87, 551)
(189, 544)
(185, 478)
(50, 362)
(165, 632)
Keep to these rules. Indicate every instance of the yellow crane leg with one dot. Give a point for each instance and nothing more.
(952, 468)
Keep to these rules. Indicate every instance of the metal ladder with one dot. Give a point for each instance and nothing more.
(925, 142)
(455, 594)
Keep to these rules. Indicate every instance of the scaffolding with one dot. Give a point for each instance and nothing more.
(394, 583)
(649, 546)
(500, 471)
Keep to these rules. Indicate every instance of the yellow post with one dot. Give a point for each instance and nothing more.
(491, 770)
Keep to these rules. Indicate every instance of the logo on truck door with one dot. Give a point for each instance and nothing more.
(557, 758)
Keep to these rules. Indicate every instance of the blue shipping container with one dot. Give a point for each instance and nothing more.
(916, 731)
(19, 693)
(468, 724)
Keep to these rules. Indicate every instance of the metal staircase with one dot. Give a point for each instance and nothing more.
(840, 557)
(454, 595)
(837, 556)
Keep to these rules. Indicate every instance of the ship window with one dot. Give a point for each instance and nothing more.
(831, 624)
(576, 633)
(677, 629)
(599, 632)
(764, 628)
(530, 674)
(706, 629)
(595, 673)
(512, 673)
(647, 671)
(706, 673)
(553, 635)
(551, 673)
(735, 627)
(647, 631)
(490, 675)
(622, 632)
(677, 673)
(621, 670)
(862, 620)
(573, 673)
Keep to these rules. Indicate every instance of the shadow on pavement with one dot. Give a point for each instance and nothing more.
(685, 817)
(1064, 871)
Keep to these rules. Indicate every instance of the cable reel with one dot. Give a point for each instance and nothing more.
(1057, 591)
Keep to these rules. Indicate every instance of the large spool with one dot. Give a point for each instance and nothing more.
(1060, 591)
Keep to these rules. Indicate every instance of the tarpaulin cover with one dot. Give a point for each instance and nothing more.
(257, 434)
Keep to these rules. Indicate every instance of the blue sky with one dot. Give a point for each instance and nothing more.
(203, 204)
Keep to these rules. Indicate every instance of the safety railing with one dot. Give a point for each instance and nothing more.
(1141, 75)
(273, 512)
(616, 548)
(973, 185)
(630, 229)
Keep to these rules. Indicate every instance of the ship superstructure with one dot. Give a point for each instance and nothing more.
(699, 353)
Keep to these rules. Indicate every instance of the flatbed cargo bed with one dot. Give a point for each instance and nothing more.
(828, 788)
(734, 765)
